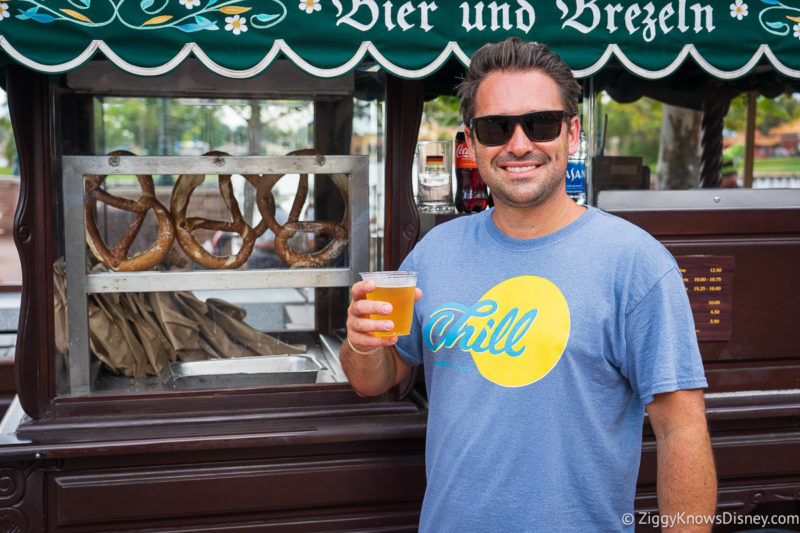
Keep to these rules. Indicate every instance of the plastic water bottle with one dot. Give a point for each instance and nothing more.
(576, 172)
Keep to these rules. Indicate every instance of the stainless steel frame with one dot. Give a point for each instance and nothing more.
(80, 284)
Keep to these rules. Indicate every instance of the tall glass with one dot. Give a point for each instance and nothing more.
(435, 176)
(397, 288)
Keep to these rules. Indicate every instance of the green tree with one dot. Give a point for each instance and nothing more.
(152, 126)
(7, 145)
(770, 112)
(442, 114)
(633, 129)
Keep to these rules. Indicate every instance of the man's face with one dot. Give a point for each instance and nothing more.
(523, 173)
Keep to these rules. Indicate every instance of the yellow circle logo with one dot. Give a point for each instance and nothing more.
(518, 331)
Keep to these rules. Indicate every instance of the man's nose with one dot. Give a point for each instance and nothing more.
(518, 143)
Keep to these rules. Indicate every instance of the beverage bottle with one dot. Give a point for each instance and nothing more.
(576, 172)
(472, 195)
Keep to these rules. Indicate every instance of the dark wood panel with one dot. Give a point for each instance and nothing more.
(740, 457)
(728, 377)
(8, 386)
(762, 351)
(665, 223)
(198, 491)
(765, 302)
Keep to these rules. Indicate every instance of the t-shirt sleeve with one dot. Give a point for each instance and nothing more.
(662, 354)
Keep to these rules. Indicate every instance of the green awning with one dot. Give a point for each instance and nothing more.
(412, 39)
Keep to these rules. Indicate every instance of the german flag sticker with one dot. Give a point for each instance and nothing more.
(434, 161)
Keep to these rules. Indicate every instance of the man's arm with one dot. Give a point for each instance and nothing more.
(686, 477)
(376, 366)
(373, 374)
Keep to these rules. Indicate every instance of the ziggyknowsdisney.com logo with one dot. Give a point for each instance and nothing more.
(659, 521)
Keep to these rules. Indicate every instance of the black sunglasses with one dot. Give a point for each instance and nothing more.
(539, 126)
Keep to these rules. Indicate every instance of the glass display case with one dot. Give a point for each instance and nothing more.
(165, 297)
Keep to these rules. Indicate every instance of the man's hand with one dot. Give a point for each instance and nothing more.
(371, 363)
(686, 477)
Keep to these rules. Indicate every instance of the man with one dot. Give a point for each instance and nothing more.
(546, 329)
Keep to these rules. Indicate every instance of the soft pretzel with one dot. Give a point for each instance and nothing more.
(337, 230)
(117, 259)
(181, 194)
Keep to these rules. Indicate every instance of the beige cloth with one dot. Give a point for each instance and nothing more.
(136, 334)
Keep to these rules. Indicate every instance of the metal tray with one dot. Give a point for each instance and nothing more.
(245, 372)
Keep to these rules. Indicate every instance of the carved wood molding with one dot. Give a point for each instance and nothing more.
(29, 106)
(21, 498)
(404, 99)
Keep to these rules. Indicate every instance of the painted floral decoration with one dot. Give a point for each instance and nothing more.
(236, 24)
(739, 10)
(773, 17)
(206, 18)
(4, 13)
(309, 6)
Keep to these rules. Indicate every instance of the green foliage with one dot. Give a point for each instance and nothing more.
(7, 145)
(633, 129)
(443, 112)
(152, 126)
(158, 126)
(777, 165)
(770, 112)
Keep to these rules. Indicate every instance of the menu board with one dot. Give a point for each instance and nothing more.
(709, 283)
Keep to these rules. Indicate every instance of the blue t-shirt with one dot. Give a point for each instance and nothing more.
(539, 357)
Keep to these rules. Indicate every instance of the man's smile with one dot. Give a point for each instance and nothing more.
(521, 166)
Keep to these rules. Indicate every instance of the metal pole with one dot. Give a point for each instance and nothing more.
(749, 139)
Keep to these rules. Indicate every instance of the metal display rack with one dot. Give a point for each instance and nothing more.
(80, 283)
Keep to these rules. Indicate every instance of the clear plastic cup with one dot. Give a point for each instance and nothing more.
(397, 288)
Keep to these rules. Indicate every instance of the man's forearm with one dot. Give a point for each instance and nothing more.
(374, 373)
(686, 479)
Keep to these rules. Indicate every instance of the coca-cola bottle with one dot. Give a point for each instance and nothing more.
(472, 194)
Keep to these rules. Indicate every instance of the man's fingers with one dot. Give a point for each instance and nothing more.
(361, 288)
(367, 325)
(371, 307)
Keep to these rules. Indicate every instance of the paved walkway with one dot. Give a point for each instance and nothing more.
(9, 261)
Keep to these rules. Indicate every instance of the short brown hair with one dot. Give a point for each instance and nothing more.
(514, 54)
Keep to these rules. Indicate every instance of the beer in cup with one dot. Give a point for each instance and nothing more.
(397, 288)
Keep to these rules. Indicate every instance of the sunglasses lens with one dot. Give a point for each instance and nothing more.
(494, 131)
(542, 126)
(539, 126)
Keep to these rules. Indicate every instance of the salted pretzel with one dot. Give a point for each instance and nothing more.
(117, 259)
(181, 194)
(337, 231)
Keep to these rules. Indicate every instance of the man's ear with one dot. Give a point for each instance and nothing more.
(574, 134)
(468, 138)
